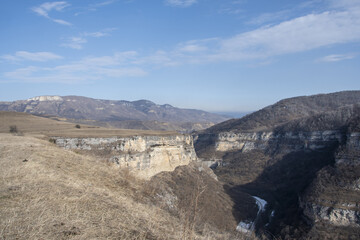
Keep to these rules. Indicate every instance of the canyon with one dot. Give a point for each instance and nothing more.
(145, 155)
(290, 170)
(302, 156)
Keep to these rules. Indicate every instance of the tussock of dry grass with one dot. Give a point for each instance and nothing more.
(50, 193)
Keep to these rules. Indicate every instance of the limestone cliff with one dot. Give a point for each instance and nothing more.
(271, 141)
(146, 155)
(334, 196)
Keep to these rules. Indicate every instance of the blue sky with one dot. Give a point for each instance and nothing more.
(216, 55)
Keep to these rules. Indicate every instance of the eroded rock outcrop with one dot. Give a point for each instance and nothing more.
(146, 155)
(334, 196)
(289, 141)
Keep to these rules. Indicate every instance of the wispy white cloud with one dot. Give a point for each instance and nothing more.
(269, 17)
(232, 7)
(78, 41)
(337, 57)
(87, 69)
(44, 9)
(180, 3)
(95, 6)
(75, 42)
(296, 35)
(344, 3)
(104, 3)
(161, 58)
(299, 34)
(336, 26)
(31, 56)
(191, 48)
(102, 33)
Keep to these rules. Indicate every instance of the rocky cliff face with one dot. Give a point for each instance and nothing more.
(229, 141)
(334, 196)
(302, 156)
(146, 155)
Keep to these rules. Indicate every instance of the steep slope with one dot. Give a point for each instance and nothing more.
(49, 193)
(281, 150)
(287, 110)
(140, 114)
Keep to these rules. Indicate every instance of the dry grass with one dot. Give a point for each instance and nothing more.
(33, 125)
(50, 193)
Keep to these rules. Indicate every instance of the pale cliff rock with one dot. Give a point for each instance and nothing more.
(46, 98)
(338, 216)
(145, 155)
(229, 141)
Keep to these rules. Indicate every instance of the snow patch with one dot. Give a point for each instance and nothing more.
(261, 203)
(245, 227)
(272, 213)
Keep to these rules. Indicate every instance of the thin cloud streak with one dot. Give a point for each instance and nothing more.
(31, 56)
(78, 41)
(337, 57)
(75, 43)
(85, 70)
(180, 3)
(44, 9)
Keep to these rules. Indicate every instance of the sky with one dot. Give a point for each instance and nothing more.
(214, 55)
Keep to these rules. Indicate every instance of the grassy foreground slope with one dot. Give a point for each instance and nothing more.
(49, 193)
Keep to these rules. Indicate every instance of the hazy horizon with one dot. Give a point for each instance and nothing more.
(217, 56)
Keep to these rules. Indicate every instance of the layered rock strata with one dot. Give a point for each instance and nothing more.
(146, 155)
(292, 141)
(334, 196)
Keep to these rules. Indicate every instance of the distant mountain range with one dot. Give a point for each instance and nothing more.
(142, 114)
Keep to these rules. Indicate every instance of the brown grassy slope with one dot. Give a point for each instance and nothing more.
(34, 125)
(198, 196)
(51, 193)
(57, 194)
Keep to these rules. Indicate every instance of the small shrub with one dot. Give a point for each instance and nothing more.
(77, 126)
(13, 129)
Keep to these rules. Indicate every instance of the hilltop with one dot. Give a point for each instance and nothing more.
(288, 110)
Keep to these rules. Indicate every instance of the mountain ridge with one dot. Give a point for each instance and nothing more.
(139, 114)
(287, 110)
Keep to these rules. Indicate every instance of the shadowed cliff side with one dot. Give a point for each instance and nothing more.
(281, 150)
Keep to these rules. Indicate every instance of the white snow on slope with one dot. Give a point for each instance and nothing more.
(247, 227)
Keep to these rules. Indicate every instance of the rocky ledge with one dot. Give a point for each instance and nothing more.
(289, 141)
(146, 155)
(334, 196)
